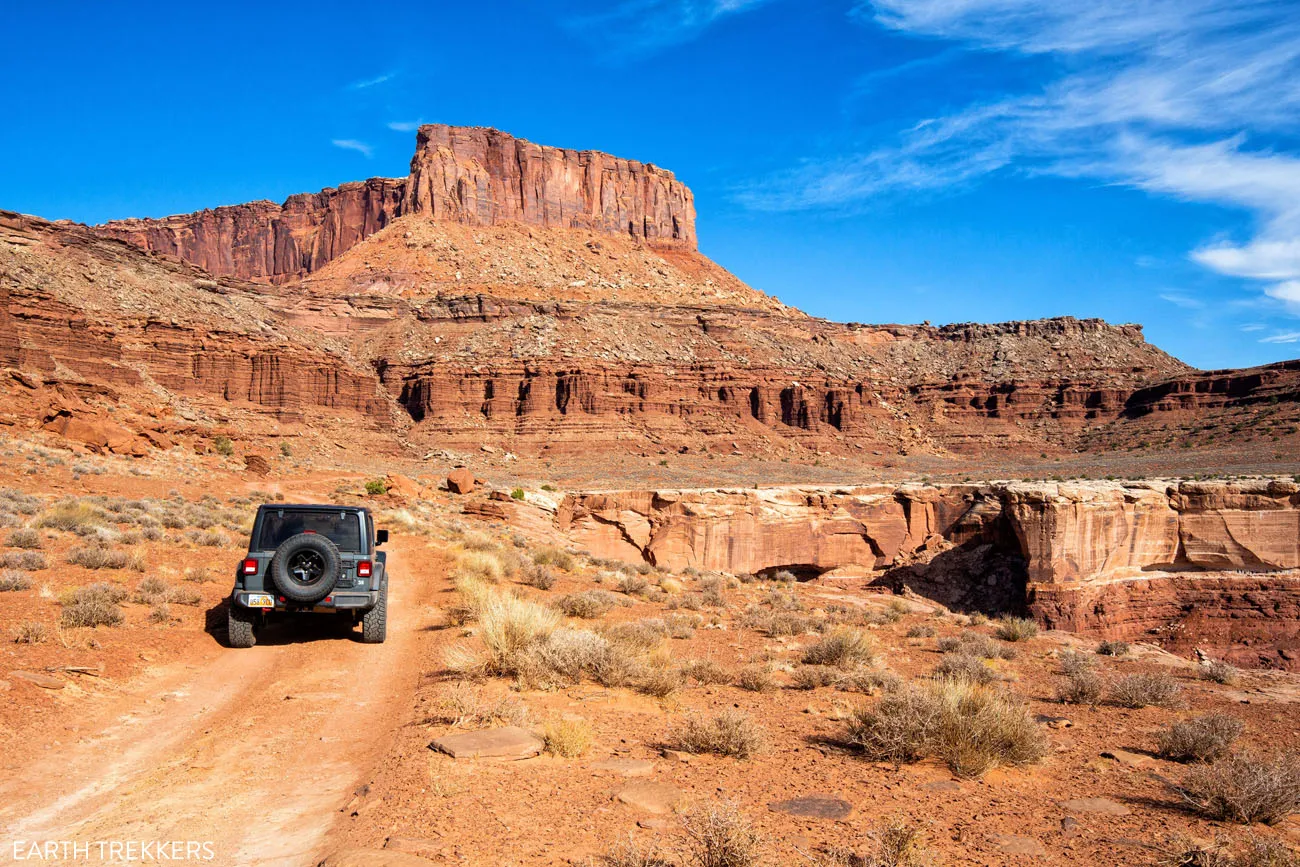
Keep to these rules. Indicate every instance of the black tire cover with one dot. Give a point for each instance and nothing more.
(305, 568)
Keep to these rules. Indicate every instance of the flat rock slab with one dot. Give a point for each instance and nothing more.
(374, 858)
(813, 807)
(1127, 759)
(45, 681)
(626, 767)
(507, 742)
(1010, 844)
(1104, 806)
(655, 798)
(942, 786)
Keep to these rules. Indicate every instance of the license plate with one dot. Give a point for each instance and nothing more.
(260, 600)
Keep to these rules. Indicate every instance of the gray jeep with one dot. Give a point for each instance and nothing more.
(311, 560)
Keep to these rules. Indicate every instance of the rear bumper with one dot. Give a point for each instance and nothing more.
(344, 600)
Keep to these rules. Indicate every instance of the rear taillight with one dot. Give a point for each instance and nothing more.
(363, 569)
(248, 567)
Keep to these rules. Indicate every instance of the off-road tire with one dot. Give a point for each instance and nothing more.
(374, 623)
(239, 626)
(323, 557)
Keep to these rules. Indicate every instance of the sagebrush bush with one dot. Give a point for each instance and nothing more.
(27, 561)
(815, 676)
(730, 733)
(976, 644)
(962, 666)
(756, 678)
(73, 515)
(1218, 671)
(161, 614)
(14, 579)
(1146, 690)
(1016, 629)
(1245, 789)
(921, 630)
(556, 557)
(30, 632)
(1073, 662)
(1114, 648)
(843, 648)
(95, 605)
(1256, 852)
(972, 728)
(660, 682)
(719, 835)
(24, 537)
(541, 577)
(639, 635)
(898, 844)
(1202, 739)
(589, 604)
(706, 672)
(98, 556)
(568, 738)
(1081, 686)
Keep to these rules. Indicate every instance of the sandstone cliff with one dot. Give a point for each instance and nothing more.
(468, 175)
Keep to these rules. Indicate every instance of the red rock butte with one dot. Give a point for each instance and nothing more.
(468, 175)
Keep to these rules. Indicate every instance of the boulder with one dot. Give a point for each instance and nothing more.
(461, 481)
(257, 465)
(657, 798)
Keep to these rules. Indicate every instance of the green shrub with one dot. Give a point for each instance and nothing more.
(223, 446)
(517, 494)
(376, 487)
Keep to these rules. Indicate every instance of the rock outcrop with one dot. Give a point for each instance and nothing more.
(1204, 562)
(468, 175)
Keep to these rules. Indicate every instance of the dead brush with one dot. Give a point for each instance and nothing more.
(26, 561)
(98, 556)
(843, 648)
(756, 678)
(1201, 739)
(1245, 789)
(30, 632)
(589, 604)
(1218, 671)
(899, 844)
(660, 682)
(462, 705)
(1082, 686)
(730, 733)
(719, 835)
(24, 537)
(1015, 629)
(14, 579)
(541, 577)
(631, 854)
(1145, 690)
(567, 738)
(976, 644)
(1256, 852)
(706, 672)
(965, 667)
(555, 557)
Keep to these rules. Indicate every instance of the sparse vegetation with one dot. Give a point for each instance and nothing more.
(756, 678)
(555, 557)
(589, 604)
(1144, 690)
(93, 605)
(1245, 789)
(30, 632)
(223, 446)
(1114, 648)
(24, 537)
(27, 561)
(98, 556)
(961, 666)
(1202, 739)
(568, 738)
(1016, 629)
(706, 672)
(729, 733)
(899, 844)
(1081, 686)
(14, 579)
(1218, 671)
(464, 705)
(719, 835)
(843, 648)
(978, 644)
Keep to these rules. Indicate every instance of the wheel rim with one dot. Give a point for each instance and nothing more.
(306, 567)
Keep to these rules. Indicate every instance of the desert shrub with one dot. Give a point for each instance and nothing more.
(27, 561)
(720, 836)
(561, 560)
(898, 844)
(706, 672)
(517, 494)
(208, 538)
(508, 625)
(1218, 671)
(961, 666)
(30, 632)
(682, 625)
(93, 605)
(161, 613)
(1202, 739)
(756, 678)
(1246, 789)
(921, 630)
(223, 446)
(671, 585)
(98, 556)
(868, 680)
(689, 601)
(815, 676)
(843, 648)
(711, 592)
(286, 450)
(780, 623)
(1256, 852)
(464, 705)
(482, 565)
(1081, 686)
(198, 574)
(14, 579)
(541, 577)
(972, 728)
(1073, 663)
(785, 576)
(1016, 629)
(616, 666)
(639, 635)
(562, 658)
(24, 537)
(184, 596)
(1114, 648)
(152, 590)
(1143, 690)
(567, 738)
(588, 604)
(730, 733)
(476, 541)
(632, 585)
(975, 644)
(660, 682)
(376, 487)
(72, 516)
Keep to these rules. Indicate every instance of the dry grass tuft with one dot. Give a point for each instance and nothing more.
(568, 738)
(660, 682)
(466, 706)
(730, 733)
(899, 844)
(1218, 671)
(1016, 629)
(24, 537)
(30, 632)
(706, 672)
(14, 579)
(93, 605)
(589, 604)
(843, 648)
(561, 560)
(757, 678)
(1114, 648)
(719, 835)
(1245, 789)
(964, 667)
(1202, 739)
(976, 644)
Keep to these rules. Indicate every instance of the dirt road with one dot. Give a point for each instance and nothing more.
(253, 751)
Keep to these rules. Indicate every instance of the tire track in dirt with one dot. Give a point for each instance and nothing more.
(253, 750)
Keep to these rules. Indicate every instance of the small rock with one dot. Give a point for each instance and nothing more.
(1127, 759)
(942, 786)
(813, 807)
(44, 681)
(655, 798)
(1013, 845)
(676, 756)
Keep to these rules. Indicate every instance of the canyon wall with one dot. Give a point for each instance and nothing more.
(469, 175)
(1210, 564)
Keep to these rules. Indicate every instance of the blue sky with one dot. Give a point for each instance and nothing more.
(866, 160)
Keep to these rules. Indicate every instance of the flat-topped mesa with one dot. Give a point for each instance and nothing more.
(484, 176)
(470, 175)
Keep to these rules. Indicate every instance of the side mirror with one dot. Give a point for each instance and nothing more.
(381, 536)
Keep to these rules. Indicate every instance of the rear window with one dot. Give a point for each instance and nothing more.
(341, 528)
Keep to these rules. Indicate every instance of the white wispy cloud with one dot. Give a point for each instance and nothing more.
(1283, 337)
(371, 82)
(1177, 97)
(405, 125)
(636, 28)
(351, 144)
(1178, 299)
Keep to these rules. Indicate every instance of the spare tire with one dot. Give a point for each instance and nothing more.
(305, 568)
